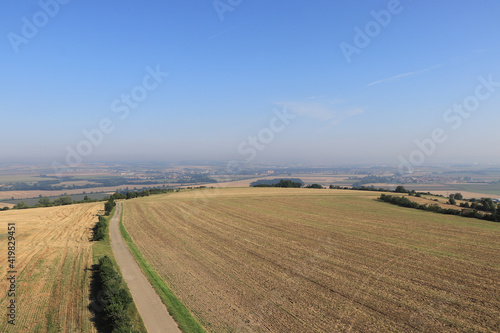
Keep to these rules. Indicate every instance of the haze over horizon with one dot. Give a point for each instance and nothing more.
(327, 82)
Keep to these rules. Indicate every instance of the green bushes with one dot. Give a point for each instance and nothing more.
(279, 182)
(101, 228)
(405, 202)
(109, 205)
(115, 299)
(314, 186)
(21, 205)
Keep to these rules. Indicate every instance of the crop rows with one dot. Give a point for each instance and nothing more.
(254, 260)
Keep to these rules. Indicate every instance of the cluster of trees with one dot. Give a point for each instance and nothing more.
(282, 183)
(276, 181)
(374, 179)
(314, 186)
(101, 228)
(405, 202)
(115, 298)
(198, 178)
(337, 187)
(144, 193)
(109, 205)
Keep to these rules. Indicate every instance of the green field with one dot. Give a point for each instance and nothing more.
(8, 179)
(479, 188)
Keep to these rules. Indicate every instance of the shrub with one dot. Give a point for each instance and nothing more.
(116, 299)
(100, 229)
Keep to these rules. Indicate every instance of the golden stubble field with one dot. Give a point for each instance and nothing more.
(53, 262)
(300, 260)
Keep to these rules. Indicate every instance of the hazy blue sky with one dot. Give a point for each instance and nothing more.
(364, 79)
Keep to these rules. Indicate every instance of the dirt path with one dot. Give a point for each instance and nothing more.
(153, 312)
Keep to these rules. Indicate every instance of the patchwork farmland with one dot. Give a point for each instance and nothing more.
(306, 260)
(53, 263)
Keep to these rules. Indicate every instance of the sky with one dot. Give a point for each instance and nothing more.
(336, 82)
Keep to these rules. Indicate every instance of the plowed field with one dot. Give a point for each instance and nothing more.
(307, 260)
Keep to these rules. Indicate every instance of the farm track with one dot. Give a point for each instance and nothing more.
(153, 312)
(54, 260)
(259, 260)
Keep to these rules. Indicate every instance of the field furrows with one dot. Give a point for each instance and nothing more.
(53, 258)
(320, 263)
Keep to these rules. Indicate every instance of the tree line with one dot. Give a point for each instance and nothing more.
(116, 299)
(472, 213)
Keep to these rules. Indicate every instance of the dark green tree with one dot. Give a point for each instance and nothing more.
(44, 202)
(314, 186)
(109, 205)
(21, 205)
(400, 189)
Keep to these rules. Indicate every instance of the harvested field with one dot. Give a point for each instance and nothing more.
(6, 204)
(53, 261)
(305, 260)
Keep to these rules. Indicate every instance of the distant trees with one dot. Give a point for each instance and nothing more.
(487, 205)
(314, 186)
(109, 205)
(66, 200)
(401, 189)
(21, 205)
(287, 183)
(276, 181)
(44, 202)
(145, 193)
(452, 201)
(405, 202)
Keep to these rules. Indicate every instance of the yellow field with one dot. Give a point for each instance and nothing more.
(307, 260)
(53, 262)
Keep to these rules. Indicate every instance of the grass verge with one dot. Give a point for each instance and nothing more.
(103, 248)
(187, 323)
